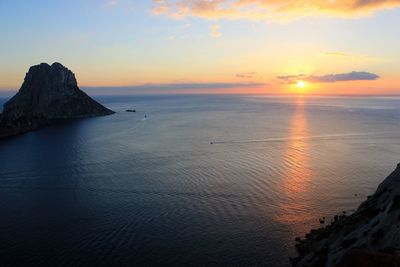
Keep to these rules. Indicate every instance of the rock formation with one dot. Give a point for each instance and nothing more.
(368, 237)
(48, 93)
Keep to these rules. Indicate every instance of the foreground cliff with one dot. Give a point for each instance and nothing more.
(48, 93)
(369, 237)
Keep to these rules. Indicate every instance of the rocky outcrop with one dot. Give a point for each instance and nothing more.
(368, 237)
(48, 93)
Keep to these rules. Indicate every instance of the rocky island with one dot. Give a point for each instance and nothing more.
(48, 93)
(368, 237)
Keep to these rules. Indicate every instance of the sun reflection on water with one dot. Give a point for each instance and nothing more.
(294, 207)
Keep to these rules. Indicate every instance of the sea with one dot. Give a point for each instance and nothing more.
(191, 180)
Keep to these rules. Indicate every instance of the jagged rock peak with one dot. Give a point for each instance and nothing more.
(48, 93)
(52, 92)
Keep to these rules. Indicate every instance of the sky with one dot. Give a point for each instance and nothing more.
(207, 46)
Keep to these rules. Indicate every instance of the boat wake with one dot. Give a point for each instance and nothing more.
(297, 138)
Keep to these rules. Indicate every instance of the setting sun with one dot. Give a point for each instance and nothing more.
(301, 84)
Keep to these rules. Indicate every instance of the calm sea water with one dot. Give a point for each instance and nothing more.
(123, 191)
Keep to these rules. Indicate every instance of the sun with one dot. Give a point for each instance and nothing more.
(300, 84)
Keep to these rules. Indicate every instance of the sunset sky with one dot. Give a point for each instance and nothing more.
(207, 46)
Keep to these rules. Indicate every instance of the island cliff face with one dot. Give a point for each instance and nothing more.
(48, 93)
(368, 237)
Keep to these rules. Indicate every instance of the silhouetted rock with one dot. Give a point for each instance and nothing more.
(365, 258)
(48, 93)
(368, 237)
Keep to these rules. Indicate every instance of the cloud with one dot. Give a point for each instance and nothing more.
(291, 78)
(160, 7)
(246, 75)
(262, 9)
(331, 78)
(343, 77)
(214, 30)
(175, 87)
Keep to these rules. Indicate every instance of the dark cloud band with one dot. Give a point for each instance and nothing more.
(331, 78)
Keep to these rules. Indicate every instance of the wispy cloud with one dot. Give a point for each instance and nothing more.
(214, 30)
(344, 77)
(246, 75)
(291, 78)
(261, 9)
(161, 7)
(331, 78)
